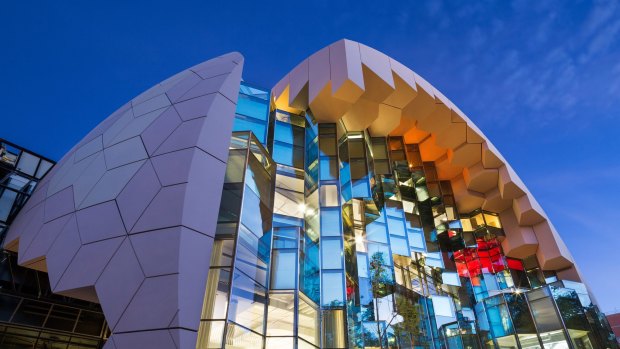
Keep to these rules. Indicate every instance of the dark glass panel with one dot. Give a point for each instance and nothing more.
(8, 304)
(521, 317)
(32, 313)
(62, 318)
(90, 323)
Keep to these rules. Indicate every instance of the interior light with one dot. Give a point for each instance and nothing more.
(359, 239)
(301, 207)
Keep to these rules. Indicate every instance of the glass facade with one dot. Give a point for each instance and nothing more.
(329, 238)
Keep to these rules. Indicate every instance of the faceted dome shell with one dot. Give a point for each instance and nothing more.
(366, 89)
(112, 219)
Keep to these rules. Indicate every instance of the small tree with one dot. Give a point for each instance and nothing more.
(382, 286)
(410, 313)
(381, 282)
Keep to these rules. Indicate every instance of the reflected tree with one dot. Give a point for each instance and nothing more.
(404, 318)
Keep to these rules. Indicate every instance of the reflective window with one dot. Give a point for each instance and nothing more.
(399, 245)
(545, 315)
(330, 221)
(308, 321)
(44, 167)
(383, 249)
(238, 337)
(245, 123)
(283, 269)
(250, 255)
(253, 107)
(328, 169)
(333, 328)
(216, 294)
(333, 288)
(222, 252)
(443, 306)
(281, 315)
(28, 163)
(289, 155)
(210, 334)
(331, 250)
(247, 303)
(396, 226)
(362, 265)
(329, 195)
(375, 231)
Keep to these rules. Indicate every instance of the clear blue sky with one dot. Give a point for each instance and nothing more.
(540, 78)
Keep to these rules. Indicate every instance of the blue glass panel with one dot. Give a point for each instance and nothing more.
(288, 133)
(283, 132)
(287, 154)
(329, 169)
(345, 174)
(285, 221)
(365, 288)
(285, 237)
(331, 252)
(399, 245)
(243, 123)
(416, 238)
(253, 107)
(396, 226)
(251, 215)
(333, 288)
(394, 211)
(309, 269)
(330, 221)
(455, 225)
(361, 189)
(283, 154)
(283, 269)
(499, 318)
(257, 92)
(376, 231)
(247, 303)
(247, 256)
(362, 265)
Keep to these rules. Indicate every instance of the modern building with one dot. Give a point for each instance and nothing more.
(351, 206)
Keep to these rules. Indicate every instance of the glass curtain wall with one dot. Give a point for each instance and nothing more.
(329, 238)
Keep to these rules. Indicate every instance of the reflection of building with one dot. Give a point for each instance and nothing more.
(352, 206)
(31, 316)
(614, 322)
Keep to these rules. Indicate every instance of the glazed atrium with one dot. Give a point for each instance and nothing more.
(350, 206)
